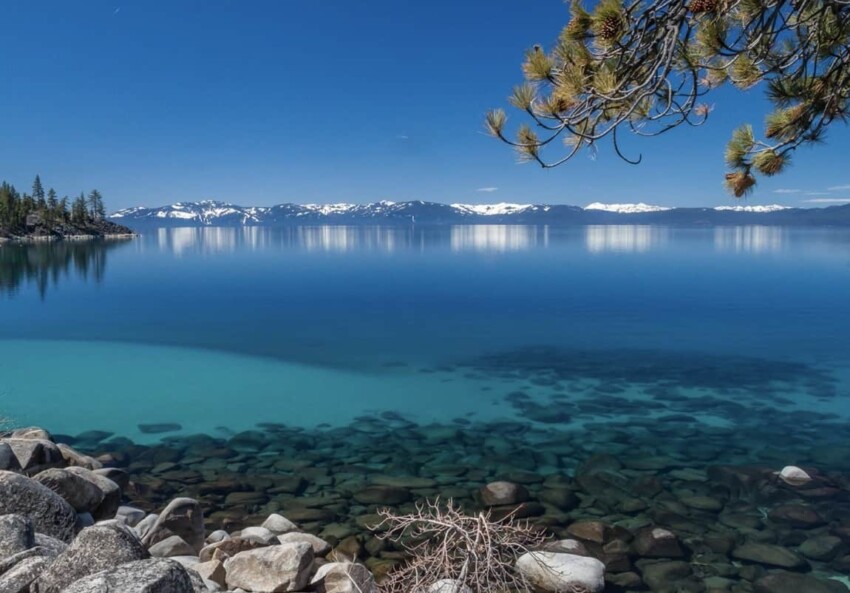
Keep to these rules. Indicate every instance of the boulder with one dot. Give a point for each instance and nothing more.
(228, 547)
(21, 575)
(278, 524)
(35, 455)
(343, 577)
(274, 569)
(212, 570)
(96, 548)
(183, 517)
(49, 512)
(556, 572)
(16, 535)
(170, 547)
(80, 493)
(502, 493)
(796, 515)
(794, 476)
(320, 546)
(49, 546)
(142, 576)
(130, 516)
(74, 457)
(111, 492)
(769, 555)
(260, 534)
(8, 461)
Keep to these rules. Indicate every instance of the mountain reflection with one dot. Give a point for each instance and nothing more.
(623, 238)
(341, 239)
(754, 239)
(45, 264)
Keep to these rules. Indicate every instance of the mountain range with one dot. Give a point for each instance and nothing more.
(215, 213)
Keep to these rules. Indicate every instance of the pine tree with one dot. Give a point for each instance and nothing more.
(96, 208)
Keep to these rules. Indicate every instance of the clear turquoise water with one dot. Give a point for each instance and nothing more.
(221, 329)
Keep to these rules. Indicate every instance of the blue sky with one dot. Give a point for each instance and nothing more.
(262, 102)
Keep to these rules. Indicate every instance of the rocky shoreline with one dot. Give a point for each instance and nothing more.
(265, 511)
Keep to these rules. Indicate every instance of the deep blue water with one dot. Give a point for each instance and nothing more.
(218, 329)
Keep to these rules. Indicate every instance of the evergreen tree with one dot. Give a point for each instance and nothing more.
(96, 208)
(37, 189)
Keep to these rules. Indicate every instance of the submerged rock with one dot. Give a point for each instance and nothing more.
(556, 572)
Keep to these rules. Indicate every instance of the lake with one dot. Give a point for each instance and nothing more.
(506, 349)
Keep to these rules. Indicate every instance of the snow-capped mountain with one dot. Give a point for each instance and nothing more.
(214, 213)
(626, 208)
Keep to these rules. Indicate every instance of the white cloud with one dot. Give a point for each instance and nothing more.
(838, 187)
(489, 190)
(817, 193)
(786, 191)
(402, 137)
(828, 201)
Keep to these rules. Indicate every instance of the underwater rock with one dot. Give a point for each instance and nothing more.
(554, 572)
(794, 476)
(502, 493)
(769, 554)
(160, 428)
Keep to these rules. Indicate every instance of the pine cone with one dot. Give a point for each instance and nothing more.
(703, 6)
(611, 28)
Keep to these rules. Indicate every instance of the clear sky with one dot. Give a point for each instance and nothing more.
(263, 102)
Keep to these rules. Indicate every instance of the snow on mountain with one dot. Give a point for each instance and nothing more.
(501, 208)
(758, 208)
(626, 208)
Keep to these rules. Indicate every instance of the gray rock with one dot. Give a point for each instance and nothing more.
(790, 582)
(212, 570)
(35, 455)
(31, 432)
(260, 534)
(82, 494)
(219, 535)
(16, 535)
(502, 493)
(769, 555)
(8, 461)
(320, 546)
(49, 512)
(343, 577)
(119, 476)
(171, 546)
(183, 517)
(75, 458)
(19, 577)
(278, 524)
(130, 516)
(275, 569)
(111, 492)
(50, 546)
(821, 547)
(144, 526)
(97, 548)
(556, 572)
(448, 586)
(84, 520)
(143, 576)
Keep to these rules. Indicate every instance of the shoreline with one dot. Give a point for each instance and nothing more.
(24, 239)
